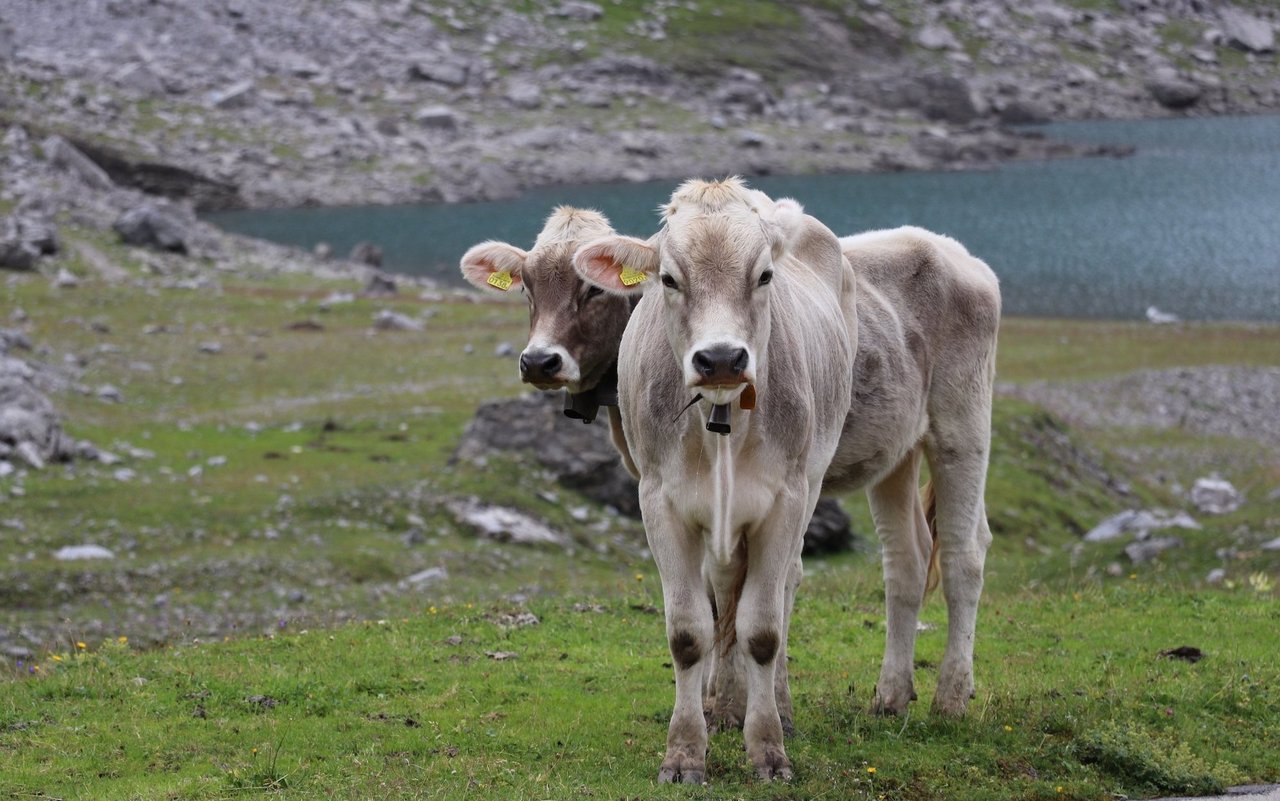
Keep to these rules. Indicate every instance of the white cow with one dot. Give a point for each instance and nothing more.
(924, 329)
(751, 303)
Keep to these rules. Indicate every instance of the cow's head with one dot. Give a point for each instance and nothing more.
(574, 328)
(713, 261)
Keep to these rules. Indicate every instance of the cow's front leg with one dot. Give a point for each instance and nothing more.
(690, 634)
(772, 551)
(781, 680)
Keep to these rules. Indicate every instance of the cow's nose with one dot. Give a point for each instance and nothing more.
(720, 362)
(539, 365)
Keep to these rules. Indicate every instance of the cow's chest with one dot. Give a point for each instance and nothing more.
(694, 491)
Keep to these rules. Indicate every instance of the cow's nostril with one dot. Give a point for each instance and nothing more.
(740, 360)
(551, 363)
(702, 363)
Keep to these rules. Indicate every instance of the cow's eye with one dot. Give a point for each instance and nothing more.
(593, 291)
(766, 277)
(669, 282)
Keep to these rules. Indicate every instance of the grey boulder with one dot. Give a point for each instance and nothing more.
(1172, 91)
(66, 156)
(148, 225)
(1244, 31)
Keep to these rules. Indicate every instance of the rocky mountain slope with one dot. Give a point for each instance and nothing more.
(248, 102)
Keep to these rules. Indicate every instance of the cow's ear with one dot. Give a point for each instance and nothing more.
(494, 266)
(787, 219)
(622, 265)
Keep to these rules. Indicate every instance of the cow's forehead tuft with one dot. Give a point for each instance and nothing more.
(710, 196)
(568, 224)
(552, 265)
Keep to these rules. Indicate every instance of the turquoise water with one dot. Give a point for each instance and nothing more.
(1190, 223)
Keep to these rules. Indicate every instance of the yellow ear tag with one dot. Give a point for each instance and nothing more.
(631, 276)
(501, 280)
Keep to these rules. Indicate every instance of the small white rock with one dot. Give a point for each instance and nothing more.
(1215, 496)
(73, 552)
(424, 578)
(387, 320)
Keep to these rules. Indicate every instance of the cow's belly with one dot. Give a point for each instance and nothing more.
(887, 417)
(869, 448)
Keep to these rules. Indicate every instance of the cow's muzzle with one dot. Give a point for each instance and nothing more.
(541, 368)
(721, 366)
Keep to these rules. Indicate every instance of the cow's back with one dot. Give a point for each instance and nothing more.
(922, 300)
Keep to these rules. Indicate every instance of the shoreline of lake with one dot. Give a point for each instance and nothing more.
(1075, 237)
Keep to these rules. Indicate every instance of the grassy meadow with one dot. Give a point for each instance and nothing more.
(253, 634)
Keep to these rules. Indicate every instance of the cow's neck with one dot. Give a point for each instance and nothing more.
(585, 405)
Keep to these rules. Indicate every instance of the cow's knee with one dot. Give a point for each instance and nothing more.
(763, 646)
(686, 649)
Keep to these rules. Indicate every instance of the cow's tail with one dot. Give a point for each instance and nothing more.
(727, 618)
(929, 500)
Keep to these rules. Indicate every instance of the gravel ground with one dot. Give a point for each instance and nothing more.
(1240, 402)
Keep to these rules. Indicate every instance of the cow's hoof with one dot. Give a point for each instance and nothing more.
(892, 702)
(954, 691)
(682, 775)
(953, 707)
(773, 765)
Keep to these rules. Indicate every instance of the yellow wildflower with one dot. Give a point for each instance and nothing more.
(1008, 728)
(56, 658)
(81, 646)
(122, 639)
(871, 771)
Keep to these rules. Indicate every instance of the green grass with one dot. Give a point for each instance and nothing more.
(328, 446)
(1074, 702)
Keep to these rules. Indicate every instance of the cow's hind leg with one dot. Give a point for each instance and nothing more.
(958, 446)
(690, 632)
(729, 680)
(727, 698)
(906, 546)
